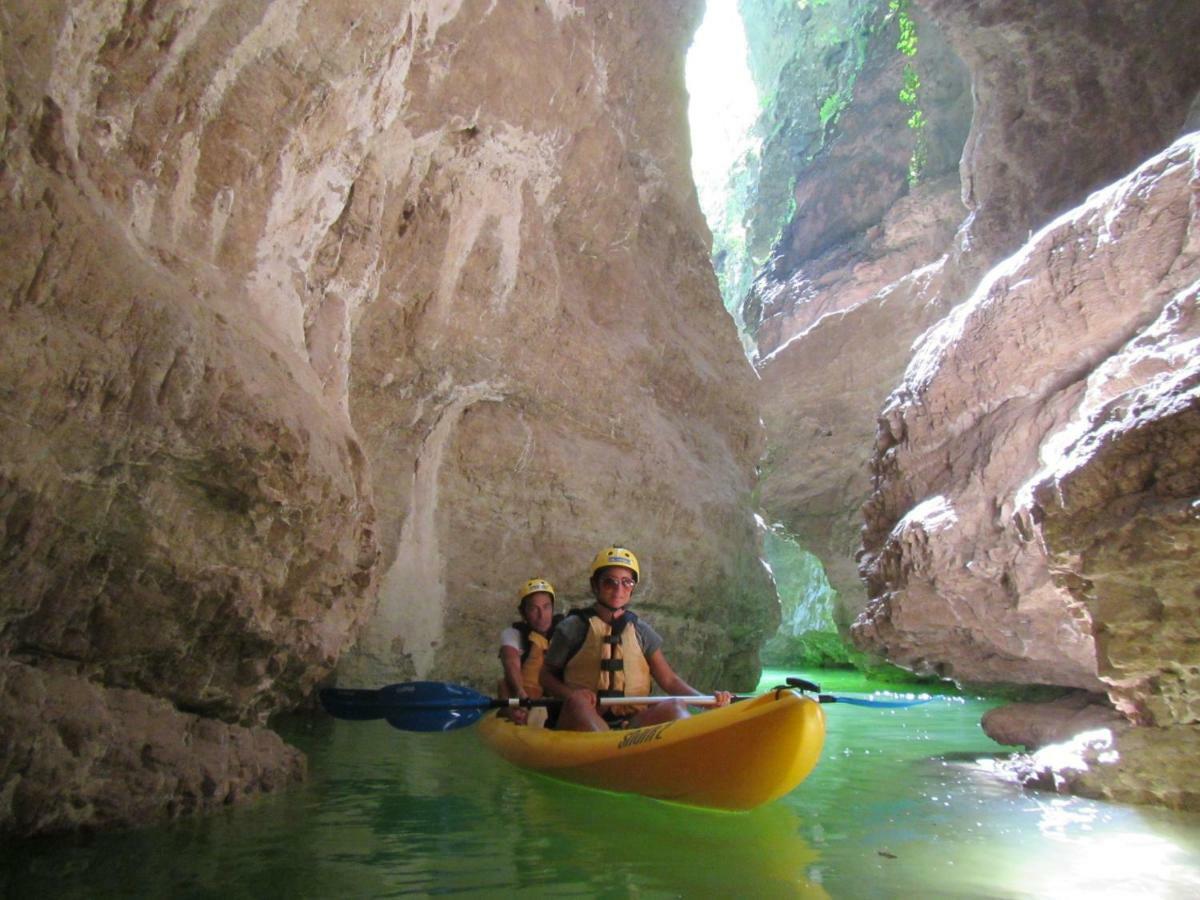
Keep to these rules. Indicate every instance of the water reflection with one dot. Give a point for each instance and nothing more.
(591, 838)
(898, 806)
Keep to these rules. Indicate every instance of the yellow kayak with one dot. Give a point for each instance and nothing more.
(734, 757)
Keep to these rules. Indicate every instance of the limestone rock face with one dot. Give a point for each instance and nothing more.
(1075, 589)
(859, 225)
(324, 316)
(816, 391)
(1035, 517)
(548, 369)
(835, 311)
(1069, 95)
(121, 757)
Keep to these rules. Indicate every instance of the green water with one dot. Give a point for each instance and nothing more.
(897, 807)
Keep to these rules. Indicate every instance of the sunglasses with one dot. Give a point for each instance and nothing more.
(609, 581)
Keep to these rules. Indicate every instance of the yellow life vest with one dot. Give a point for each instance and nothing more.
(533, 652)
(610, 662)
(531, 665)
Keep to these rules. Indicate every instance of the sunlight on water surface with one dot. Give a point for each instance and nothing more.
(896, 807)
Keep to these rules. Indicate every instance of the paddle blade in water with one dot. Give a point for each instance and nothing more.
(433, 719)
(878, 704)
(353, 703)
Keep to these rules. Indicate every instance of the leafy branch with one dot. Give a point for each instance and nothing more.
(910, 91)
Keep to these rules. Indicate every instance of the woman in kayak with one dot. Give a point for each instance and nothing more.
(523, 647)
(607, 651)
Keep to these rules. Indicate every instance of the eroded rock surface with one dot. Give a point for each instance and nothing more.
(121, 757)
(837, 308)
(1069, 97)
(1037, 725)
(1037, 473)
(816, 391)
(1091, 587)
(568, 378)
(312, 305)
(1056, 114)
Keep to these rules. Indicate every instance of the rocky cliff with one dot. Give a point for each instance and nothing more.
(829, 346)
(1028, 519)
(334, 319)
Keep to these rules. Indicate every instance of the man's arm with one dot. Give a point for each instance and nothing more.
(665, 677)
(671, 683)
(510, 658)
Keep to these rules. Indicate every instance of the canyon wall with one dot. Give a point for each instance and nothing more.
(338, 320)
(1061, 549)
(1036, 517)
(1028, 498)
(829, 345)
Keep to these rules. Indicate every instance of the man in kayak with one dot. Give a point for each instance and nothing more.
(607, 651)
(523, 646)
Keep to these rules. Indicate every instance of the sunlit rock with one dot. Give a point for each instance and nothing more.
(835, 310)
(328, 319)
(1034, 519)
(1155, 766)
(1036, 725)
(1159, 766)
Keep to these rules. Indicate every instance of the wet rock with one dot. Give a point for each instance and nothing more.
(1035, 725)
(1158, 766)
(120, 757)
(1032, 518)
(1155, 766)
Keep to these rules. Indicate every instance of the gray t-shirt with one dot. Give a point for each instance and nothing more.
(572, 630)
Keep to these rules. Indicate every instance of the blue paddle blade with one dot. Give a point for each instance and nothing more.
(432, 705)
(878, 704)
(431, 695)
(433, 719)
(412, 706)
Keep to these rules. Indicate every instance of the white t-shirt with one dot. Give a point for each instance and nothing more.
(510, 637)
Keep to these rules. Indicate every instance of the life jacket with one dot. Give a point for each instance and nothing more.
(609, 660)
(533, 652)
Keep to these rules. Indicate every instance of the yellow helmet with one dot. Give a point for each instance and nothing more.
(534, 586)
(615, 556)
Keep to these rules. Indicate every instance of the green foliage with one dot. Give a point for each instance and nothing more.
(912, 86)
(908, 29)
(832, 107)
(812, 650)
(910, 91)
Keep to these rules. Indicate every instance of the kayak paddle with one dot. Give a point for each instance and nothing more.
(802, 685)
(438, 706)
